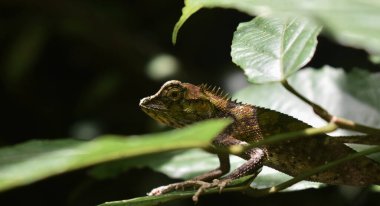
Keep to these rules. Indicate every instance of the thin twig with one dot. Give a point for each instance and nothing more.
(238, 149)
(324, 114)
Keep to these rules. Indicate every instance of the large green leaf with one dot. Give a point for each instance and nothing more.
(354, 95)
(354, 23)
(176, 164)
(31, 161)
(271, 49)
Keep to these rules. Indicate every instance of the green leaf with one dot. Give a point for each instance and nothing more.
(353, 23)
(187, 11)
(175, 164)
(271, 49)
(270, 177)
(352, 95)
(35, 160)
(375, 188)
(375, 59)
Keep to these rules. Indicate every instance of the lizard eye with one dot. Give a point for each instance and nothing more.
(174, 94)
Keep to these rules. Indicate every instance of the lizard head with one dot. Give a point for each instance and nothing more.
(177, 104)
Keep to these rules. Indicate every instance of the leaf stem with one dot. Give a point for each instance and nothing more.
(324, 114)
(238, 149)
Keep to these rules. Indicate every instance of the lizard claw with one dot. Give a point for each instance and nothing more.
(221, 184)
(158, 191)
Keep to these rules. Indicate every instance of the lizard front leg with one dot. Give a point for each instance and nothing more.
(201, 180)
(198, 181)
(224, 168)
(255, 159)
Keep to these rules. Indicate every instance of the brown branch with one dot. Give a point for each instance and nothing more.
(324, 114)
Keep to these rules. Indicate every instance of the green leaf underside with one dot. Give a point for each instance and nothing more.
(35, 160)
(271, 49)
(354, 23)
(175, 164)
(331, 88)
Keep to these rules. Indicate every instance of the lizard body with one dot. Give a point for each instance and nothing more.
(178, 104)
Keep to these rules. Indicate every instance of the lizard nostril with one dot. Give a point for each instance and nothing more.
(144, 101)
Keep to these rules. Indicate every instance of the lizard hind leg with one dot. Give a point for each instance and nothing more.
(255, 158)
(224, 168)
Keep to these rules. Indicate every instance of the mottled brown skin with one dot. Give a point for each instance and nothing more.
(178, 104)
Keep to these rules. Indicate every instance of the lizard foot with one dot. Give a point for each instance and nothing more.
(221, 184)
(201, 185)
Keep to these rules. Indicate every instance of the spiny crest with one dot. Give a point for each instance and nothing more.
(217, 91)
(234, 101)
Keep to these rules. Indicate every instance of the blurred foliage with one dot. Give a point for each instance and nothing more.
(353, 23)
(79, 68)
(36, 160)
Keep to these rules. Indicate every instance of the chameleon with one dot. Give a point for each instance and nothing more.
(178, 104)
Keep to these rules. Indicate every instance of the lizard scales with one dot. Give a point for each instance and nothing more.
(178, 104)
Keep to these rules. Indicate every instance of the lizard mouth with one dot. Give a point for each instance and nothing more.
(160, 112)
(147, 104)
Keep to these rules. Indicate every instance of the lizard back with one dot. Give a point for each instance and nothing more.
(296, 156)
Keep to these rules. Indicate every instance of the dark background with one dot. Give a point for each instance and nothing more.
(79, 68)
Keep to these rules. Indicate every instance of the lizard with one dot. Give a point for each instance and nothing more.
(178, 104)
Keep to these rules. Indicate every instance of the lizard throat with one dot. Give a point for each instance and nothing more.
(163, 117)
